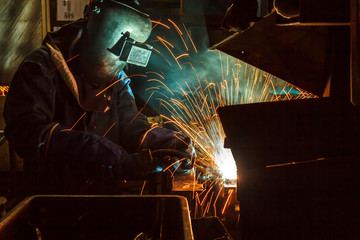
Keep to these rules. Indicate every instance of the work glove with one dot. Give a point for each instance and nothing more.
(168, 147)
(186, 145)
(163, 138)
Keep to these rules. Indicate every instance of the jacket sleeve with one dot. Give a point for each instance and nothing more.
(29, 113)
(138, 133)
(133, 124)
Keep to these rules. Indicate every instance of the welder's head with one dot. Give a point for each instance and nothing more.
(111, 25)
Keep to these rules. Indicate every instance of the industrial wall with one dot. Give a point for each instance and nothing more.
(21, 31)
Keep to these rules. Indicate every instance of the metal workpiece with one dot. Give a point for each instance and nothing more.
(173, 172)
(186, 181)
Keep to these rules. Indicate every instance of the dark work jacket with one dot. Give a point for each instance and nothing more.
(49, 128)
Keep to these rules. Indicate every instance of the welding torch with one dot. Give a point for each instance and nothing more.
(162, 158)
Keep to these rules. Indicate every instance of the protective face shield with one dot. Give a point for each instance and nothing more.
(114, 31)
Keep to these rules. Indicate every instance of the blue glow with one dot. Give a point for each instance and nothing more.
(158, 169)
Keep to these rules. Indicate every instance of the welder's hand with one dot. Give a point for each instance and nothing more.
(186, 145)
(171, 159)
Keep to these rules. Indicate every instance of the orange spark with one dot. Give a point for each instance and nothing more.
(162, 56)
(162, 41)
(208, 205)
(74, 123)
(114, 76)
(134, 75)
(182, 55)
(142, 189)
(222, 71)
(217, 199)
(157, 80)
(203, 201)
(64, 63)
(180, 33)
(212, 194)
(206, 209)
(159, 23)
(181, 140)
(176, 169)
(176, 27)
(227, 65)
(197, 198)
(140, 110)
(109, 129)
(156, 74)
(190, 38)
(167, 42)
(173, 164)
(160, 94)
(227, 200)
(144, 136)
(191, 65)
(154, 124)
(156, 50)
(150, 88)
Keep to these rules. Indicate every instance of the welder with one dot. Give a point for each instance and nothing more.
(64, 114)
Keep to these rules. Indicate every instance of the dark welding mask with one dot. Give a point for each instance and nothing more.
(116, 32)
(123, 26)
(130, 51)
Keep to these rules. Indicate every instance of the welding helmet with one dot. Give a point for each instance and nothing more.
(116, 31)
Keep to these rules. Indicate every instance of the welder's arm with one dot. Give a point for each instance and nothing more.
(98, 155)
(138, 132)
(29, 111)
(133, 124)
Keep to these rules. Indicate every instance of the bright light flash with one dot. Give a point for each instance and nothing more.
(226, 163)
